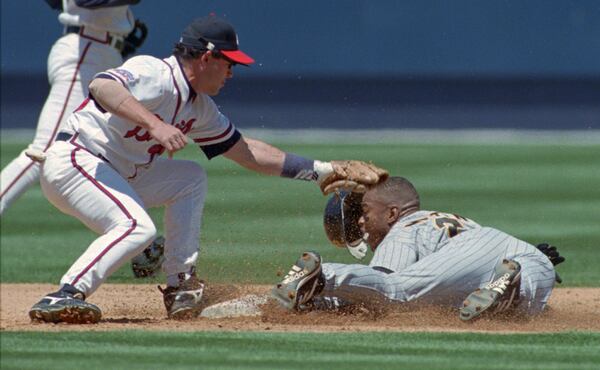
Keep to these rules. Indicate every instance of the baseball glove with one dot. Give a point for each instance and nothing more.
(149, 262)
(352, 176)
(552, 253)
(135, 39)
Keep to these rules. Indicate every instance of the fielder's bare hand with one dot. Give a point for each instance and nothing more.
(168, 136)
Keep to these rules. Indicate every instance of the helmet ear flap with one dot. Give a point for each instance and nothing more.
(341, 216)
(333, 219)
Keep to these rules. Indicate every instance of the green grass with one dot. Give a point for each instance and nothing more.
(254, 225)
(225, 350)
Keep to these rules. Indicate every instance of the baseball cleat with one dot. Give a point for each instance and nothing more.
(304, 280)
(183, 302)
(67, 305)
(498, 296)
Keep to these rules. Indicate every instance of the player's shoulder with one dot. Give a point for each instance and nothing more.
(205, 101)
(146, 62)
(414, 218)
(144, 70)
(401, 229)
(397, 236)
(412, 225)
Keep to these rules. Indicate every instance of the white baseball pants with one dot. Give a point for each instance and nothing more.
(88, 188)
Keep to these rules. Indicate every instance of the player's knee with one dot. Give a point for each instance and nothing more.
(198, 176)
(145, 229)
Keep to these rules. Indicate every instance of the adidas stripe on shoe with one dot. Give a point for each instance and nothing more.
(302, 282)
(498, 296)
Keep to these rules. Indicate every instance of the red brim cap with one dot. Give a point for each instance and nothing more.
(237, 56)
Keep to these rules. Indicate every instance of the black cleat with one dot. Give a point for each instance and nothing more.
(184, 302)
(67, 305)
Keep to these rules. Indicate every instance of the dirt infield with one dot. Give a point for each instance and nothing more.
(140, 307)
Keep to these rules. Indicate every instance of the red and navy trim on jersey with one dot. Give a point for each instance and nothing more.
(214, 150)
(193, 94)
(113, 76)
(213, 138)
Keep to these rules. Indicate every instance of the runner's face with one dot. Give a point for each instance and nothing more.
(374, 219)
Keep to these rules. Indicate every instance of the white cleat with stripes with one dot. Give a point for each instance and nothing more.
(301, 283)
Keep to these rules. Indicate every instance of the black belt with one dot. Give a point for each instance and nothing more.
(114, 41)
(63, 136)
(72, 29)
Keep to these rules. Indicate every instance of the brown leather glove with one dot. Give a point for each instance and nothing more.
(352, 176)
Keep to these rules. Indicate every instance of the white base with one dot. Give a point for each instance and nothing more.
(244, 306)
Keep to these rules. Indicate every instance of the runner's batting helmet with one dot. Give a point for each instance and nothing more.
(342, 212)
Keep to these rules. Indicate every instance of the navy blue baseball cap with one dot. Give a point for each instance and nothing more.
(214, 34)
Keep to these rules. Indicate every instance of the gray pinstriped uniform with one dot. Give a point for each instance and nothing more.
(440, 258)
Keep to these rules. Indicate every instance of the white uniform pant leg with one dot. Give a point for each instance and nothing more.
(15, 179)
(22, 172)
(82, 185)
(72, 63)
(356, 283)
(419, 281)
(181, 187)
(537, 281)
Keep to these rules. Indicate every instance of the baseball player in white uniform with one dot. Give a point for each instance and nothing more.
(434, 257)
(106, 167)
(92, 42)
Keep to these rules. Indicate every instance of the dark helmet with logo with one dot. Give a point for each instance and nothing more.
(341, 216)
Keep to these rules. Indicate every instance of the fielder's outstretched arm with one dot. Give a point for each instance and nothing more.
(266, 159)
(257, 156)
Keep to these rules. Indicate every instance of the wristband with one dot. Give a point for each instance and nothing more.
(297, 167)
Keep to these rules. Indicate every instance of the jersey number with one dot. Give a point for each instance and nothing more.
(452, 225)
